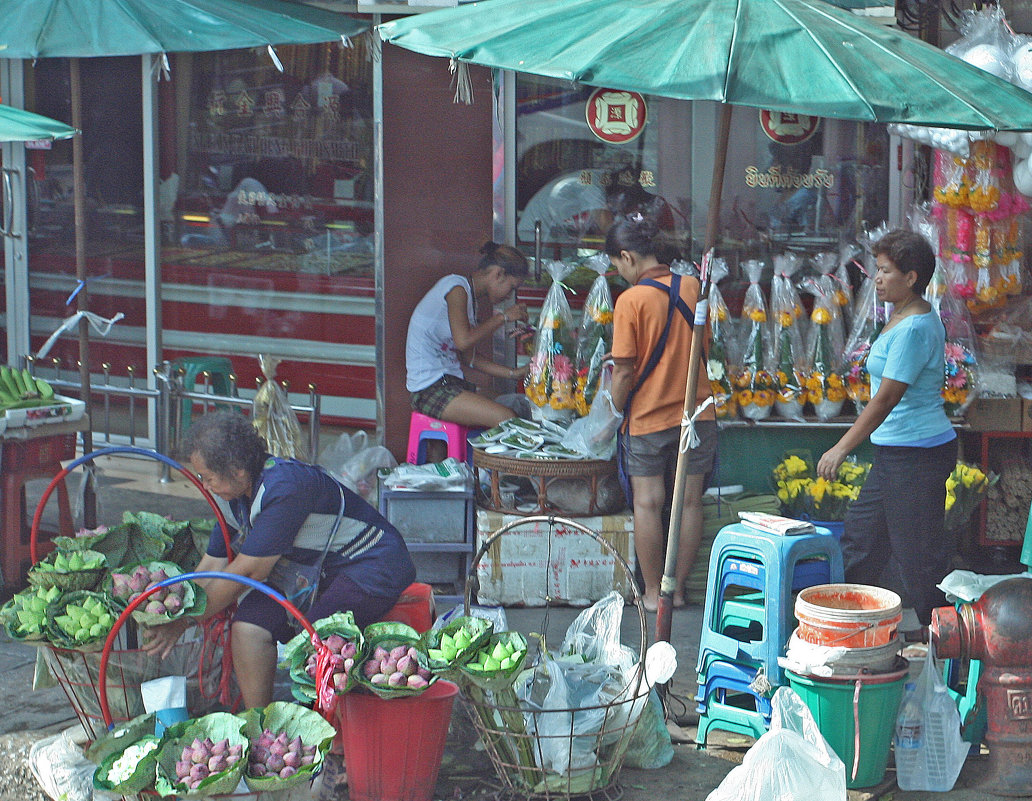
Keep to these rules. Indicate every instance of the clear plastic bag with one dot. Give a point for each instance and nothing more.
(790, 762)
(594, 436)
(789, 353)
(825, 388)
(595, 336)
(274, 418)
(932, 757)
(755, 385)
(722, 360)
(550, 383)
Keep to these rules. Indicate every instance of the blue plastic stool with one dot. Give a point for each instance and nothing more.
(218, 367)
(776, 567)
(724, 677)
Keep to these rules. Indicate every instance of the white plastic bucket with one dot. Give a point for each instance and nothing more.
(848, 615)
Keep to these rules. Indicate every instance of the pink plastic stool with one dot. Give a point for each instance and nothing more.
(422, 428)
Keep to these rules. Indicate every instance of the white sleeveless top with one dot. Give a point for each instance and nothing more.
(429, 349)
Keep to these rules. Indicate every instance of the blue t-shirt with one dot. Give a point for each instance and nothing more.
(287, 492)
(912, 352)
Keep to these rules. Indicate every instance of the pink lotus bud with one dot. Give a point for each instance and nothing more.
(221, 747)
(199, 755)
(236, 750)
(413, 653)
(141, 572)
(275, 763)
(348, 664)
(137, 583)
(258, 769)
(172, 604)
(397, 680)
(281, 738)
(340, 681)
(398, 652)
(287, 772)
(379, 678)
(334, 642)
(295, 744)
(349, 651)
(380, 653)
(120, 585)
(231, 760)
(335, 662)
(371, 668)
(277, 749)
(417, 682)
(158, 575)
(183, 768)
(291, 759)
(199, 772)
(407, 665)
(308, 759)
(389, 666)
(259, 753)
(423, 673)
(217, 764)
(154, 608)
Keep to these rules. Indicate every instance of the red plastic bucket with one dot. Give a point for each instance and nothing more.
(393, 747)
(848, 615)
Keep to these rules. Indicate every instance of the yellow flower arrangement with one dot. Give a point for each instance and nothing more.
(803, 495)
(965, 488)
(757, 315)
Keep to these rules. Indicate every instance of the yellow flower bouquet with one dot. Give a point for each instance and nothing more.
(790, 354)
(718, 368)
(755, 387)
(965, 488)
(805, 496)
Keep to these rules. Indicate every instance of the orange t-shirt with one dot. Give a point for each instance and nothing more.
(638, 321)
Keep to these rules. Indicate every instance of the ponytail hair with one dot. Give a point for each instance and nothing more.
(636, 232)
(508, 258)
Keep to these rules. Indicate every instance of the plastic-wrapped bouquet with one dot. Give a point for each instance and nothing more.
(595, 337)
(825, 388)
(790, 355)
(965, 487)
(720, 360)
(755, 385)
(868, 320)
(550, 385)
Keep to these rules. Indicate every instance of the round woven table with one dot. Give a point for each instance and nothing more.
(540, 472)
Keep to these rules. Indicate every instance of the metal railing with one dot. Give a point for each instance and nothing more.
(169, 395)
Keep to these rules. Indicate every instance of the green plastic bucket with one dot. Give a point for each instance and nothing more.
(872, 723)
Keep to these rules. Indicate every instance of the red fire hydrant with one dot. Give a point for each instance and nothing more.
(997, 629)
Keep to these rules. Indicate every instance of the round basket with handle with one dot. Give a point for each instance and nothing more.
(591, 741)
(77, 671)
(325, 698)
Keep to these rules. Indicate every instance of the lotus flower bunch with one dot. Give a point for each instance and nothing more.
(73, 562)
(204, 758)
(86, 621)
(29, 610)
(273, 754)
(342, 659)
(397, 667)
(129, 587)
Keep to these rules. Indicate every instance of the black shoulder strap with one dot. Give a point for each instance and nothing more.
(675, 302)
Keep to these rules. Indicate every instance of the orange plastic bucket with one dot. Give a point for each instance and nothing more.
(848, 615)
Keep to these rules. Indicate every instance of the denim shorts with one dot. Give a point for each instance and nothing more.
(655, 454)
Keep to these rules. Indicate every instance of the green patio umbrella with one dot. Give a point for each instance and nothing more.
(76, 29)
(801, 56)
(17, 125)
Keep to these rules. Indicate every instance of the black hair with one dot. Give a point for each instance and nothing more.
(908, 251)
(508, 258)
(636, 232)
(227, 441)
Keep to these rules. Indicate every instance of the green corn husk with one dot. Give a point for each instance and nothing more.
(296, 721)
(88, 579)
(217, 726)
(480, 631)
(389, 634)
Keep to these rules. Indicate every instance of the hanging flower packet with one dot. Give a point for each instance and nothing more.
(551, 380)
(843, 283)
(789, 351)
(755, 385)
(825, 388)
(595, 336)
(720, 361)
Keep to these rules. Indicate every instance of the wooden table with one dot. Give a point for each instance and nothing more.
(540, 472)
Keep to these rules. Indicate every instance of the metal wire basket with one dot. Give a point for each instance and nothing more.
(518, 739)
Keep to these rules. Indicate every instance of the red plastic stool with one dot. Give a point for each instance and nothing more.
(25, 461)
(423, 428)
(415, 607)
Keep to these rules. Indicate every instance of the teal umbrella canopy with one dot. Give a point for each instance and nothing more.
(21, 126)
(801, 56)
(84, 28)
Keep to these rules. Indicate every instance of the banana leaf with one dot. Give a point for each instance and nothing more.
(43, 573)
(480, 631)
(61, 638)
(143, 775)
(217, 726)
(296, 721)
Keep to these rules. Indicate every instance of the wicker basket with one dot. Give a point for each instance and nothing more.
(516, 750)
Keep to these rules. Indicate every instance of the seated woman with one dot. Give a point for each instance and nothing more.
(444, 332)
(284, 512)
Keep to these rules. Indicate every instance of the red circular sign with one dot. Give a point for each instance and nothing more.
(788, 129)
(615, 116)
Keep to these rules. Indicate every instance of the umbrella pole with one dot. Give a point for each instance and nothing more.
(89, 499)
(669, 583)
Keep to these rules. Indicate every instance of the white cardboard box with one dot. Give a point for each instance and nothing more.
(520, 568)
(62, 410)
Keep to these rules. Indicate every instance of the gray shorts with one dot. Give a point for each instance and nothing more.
(655, 454)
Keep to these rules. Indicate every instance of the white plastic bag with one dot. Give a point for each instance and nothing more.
(451, 474)
(594, 435)
(935, 760)
(62, 770)
(791, 762)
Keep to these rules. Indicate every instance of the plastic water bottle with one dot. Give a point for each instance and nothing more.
(909, 740)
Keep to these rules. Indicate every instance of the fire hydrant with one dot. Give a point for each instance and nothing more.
(997, 629)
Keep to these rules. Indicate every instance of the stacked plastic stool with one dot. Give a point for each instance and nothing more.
(219, 370)
(423, 428)
(748, 619)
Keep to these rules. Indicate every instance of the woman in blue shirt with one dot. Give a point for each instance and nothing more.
(898, 517)
(284, 512)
